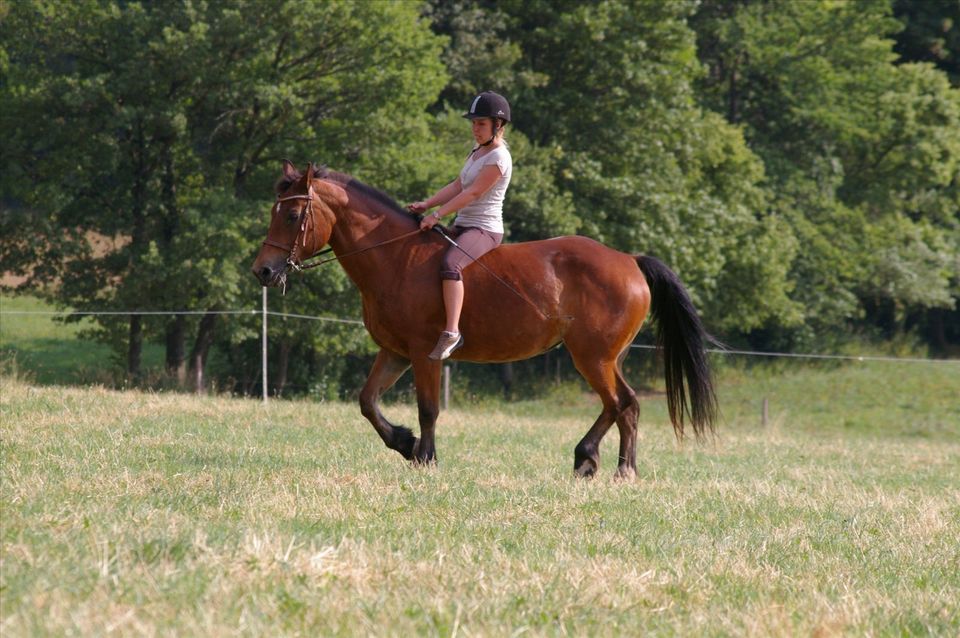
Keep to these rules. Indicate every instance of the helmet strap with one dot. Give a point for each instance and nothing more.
(496, 128)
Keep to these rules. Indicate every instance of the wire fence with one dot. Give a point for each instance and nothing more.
(83, 313)
(797, 355)
(357, 322)
(265, 313)
(448, 372)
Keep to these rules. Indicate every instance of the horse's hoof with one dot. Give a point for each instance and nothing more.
(625, 473)
(586, 469)
(423, 458)
(404, 442)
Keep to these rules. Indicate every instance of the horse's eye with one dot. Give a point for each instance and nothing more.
(292, 216)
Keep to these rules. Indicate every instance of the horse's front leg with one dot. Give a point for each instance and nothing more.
(426, 374)
(388, 367)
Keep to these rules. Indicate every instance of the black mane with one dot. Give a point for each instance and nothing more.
(286, 182)
(377, 195)
(350, 183)
(369, 192)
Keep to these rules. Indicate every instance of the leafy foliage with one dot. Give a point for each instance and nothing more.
(798, 164)
(178, 115)
(861, 153)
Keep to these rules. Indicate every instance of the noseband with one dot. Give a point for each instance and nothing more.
(301, 239)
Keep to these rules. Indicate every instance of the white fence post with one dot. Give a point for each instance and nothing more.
(263, 347)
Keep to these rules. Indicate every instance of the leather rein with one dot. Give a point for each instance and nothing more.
(306, 215)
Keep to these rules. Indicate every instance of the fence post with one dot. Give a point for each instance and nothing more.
(765, 412)
(263, 347)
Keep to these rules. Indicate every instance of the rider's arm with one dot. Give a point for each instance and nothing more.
(445, 194)
(485, 180)
(442, 196)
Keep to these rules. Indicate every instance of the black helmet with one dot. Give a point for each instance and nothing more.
(489, 104)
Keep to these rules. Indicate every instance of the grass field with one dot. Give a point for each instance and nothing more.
(161, 514)
(46, 350)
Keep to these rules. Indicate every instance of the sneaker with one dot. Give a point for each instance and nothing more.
(449, 341)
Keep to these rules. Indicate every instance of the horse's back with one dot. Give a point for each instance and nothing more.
(570, 245)
(570, 258)
(571, 289)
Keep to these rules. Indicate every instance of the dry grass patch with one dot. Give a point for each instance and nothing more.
(161, 514)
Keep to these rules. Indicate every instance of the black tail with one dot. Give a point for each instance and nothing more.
(682, 339)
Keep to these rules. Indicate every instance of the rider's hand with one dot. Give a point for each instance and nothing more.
(418, 207)
(429, 221)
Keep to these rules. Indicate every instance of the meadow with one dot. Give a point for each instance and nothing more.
(47, 350)
(130, 513)
(158, 514)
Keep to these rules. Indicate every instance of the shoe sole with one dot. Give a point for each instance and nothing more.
(449, 352)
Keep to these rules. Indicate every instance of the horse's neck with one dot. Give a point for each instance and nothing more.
(360, 226)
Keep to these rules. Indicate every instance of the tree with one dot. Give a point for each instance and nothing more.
(642, 166)
(931, 33)
(178, 115)
(861, 153)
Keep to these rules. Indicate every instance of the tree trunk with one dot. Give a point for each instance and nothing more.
(240, 181)
(135, 348)
(138, 242)
(733, 97)
(176, 350)
(937, 332)
(201, 347)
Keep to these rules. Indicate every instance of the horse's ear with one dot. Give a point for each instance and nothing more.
(310, 172)
(290, 172)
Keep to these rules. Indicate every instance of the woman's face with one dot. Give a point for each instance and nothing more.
(482, 129)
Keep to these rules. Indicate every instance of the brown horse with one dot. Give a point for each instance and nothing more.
(521, 300)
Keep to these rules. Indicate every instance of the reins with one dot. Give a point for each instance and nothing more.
(301, 239)
(495, 276)
(302, 266)
(306, 215)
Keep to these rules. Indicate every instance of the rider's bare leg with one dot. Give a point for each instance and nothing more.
(453, 302)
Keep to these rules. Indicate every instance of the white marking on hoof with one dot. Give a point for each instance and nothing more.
(586, 470)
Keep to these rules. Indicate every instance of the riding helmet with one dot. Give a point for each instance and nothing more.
(489, 104)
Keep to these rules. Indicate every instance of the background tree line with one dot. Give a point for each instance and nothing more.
(797, 163)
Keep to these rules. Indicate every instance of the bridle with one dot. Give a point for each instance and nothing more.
(301, 239)
(306, 215)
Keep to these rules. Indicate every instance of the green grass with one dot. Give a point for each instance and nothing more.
(161, 514)
(47, 350)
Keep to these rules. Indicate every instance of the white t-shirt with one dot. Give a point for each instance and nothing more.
(486, 211)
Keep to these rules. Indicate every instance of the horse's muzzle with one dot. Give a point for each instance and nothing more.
(268, 275)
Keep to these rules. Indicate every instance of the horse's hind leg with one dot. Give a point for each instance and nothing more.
(627, 419)
(601, 375)
(619, 404)
(386, 370)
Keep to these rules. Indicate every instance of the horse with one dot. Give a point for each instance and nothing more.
(521, 300)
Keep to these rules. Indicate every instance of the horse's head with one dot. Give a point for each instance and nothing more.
(301, 222)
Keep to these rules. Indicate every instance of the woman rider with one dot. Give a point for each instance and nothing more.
(477, 196)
